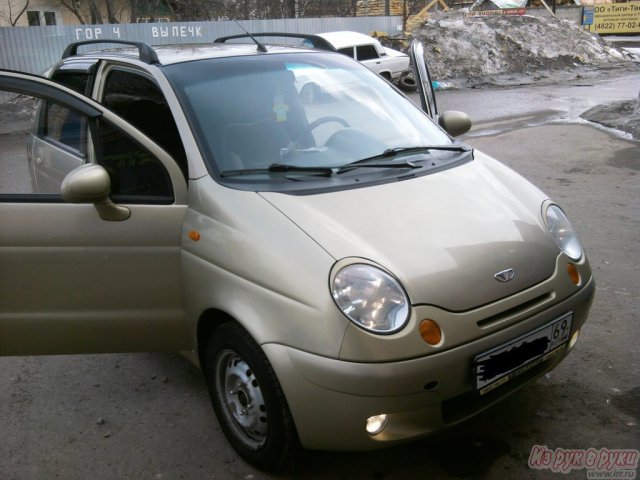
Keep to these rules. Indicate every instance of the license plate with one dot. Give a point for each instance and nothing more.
(505, 362)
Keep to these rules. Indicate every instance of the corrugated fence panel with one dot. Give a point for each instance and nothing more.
(36, 49)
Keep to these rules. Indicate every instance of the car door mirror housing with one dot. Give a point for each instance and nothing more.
(455, 123)
(86, 184)
(91, 184)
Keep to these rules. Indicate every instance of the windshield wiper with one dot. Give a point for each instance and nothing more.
(456, 147)
(278, 168)
(392, 152)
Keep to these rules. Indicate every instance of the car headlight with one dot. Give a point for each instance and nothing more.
(562, 232)
(371, 298)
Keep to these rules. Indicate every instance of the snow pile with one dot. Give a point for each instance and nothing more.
(502, 49)
(623, 116)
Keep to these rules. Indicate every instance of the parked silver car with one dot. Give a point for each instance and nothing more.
(346, 274)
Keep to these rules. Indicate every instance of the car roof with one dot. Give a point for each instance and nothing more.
(170, 54)
(348, 39)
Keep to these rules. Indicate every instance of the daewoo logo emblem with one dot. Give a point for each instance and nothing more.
(505, 275)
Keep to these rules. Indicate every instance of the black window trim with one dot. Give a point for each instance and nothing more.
(45, 91)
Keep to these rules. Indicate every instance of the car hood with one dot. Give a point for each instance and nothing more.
(444, 236)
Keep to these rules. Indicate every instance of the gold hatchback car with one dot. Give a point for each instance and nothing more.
(346, 275)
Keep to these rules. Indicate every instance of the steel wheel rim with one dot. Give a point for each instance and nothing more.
(241, 398)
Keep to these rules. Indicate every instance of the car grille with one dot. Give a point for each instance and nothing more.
(523, 307)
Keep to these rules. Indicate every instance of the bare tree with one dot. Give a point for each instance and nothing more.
(189, 10)
(111, 17)
(12, 17)
(74, 7)
(92, 11)
(95, 13)
(148, 9)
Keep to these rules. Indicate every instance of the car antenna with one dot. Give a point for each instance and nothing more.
(261, 48)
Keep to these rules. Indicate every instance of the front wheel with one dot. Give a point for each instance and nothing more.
(248, 399)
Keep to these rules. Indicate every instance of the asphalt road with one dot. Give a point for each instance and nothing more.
(147, 416)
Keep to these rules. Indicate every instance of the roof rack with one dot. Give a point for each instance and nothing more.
(147, 54)
(316, 40)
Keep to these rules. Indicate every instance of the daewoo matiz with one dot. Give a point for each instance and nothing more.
(346, 275)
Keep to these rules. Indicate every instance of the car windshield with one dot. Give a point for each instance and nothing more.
(265, 117)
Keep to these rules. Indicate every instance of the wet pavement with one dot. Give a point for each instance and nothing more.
(494, 110)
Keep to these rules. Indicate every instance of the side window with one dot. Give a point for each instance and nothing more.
(348, 51)
(40, 142)
(366, 52)
(137, 176)
(76, 81)
(139, 100)
(63, 126)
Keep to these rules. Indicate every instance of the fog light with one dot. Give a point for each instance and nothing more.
(430, 332)
(574, 275)
(376, 424)
(574, 339)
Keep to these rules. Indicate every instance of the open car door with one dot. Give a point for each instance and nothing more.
(454, 123)
(423, 79)
(89, 258)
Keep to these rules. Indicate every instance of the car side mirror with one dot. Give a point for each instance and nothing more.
(91, 184)
(455, 123)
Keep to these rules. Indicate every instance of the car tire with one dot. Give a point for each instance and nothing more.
(408, 83)
(248, 399)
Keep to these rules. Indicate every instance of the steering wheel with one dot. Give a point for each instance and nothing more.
(315, 124)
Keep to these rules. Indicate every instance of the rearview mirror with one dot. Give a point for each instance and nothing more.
(455, 123)
(91, 184)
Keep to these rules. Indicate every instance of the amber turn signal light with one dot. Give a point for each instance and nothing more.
(430, 332)
(194, 235)
(574, 275)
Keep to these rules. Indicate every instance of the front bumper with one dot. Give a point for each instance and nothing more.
(331, 399)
